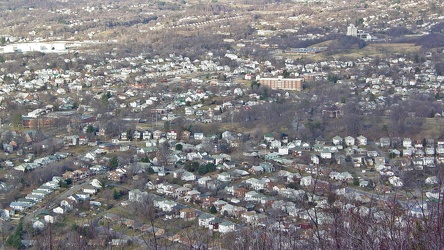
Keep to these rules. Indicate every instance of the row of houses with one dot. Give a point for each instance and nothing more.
(36, 195)
(41, 162)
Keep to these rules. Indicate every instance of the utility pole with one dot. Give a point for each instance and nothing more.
(50, 235)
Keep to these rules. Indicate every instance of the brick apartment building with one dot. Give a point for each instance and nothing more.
(282, 83)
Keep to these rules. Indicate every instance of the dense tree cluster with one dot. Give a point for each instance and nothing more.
(346, 42)
(434, 40)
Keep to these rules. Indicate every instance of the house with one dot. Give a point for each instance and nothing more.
(188, 214)
(137, 195)
(271, 156)
(407, 143)
(396, 181)
(407, 152)
(96, 183)
(430, 151)
(124, 136)
(256, 170)
(111, 217)
(191, 195)
(147, 135)
(148, 228)
(189, 111)
(188, 176)
(275, 144)
(28, 243)
(224, 176)
(7, 148)
(385, 142)
(58, 210)
(205, 219)
(256, 184)
(67, 204)
(128, 222)
(363, 183)
(219, 204)
(137, 135)
(268, 137)
(171, 135)
(198, 136)
(240, 192)
(19, 206)
(83, 140)
(226, 227)
(90, 190)
(116, 176)
(207, 201)
(307, 181)
(48, 218)
(231, 210)
(283, 150)
(83, 196)
(326, 153)
(181, 191)
(349, 141)
(372, 153)
(362, 140)
(267, 167)
(204, 181)
(119, 242)
(185, 135)
(314, 159)
(337, 140)
(166, 205)
(157, 134)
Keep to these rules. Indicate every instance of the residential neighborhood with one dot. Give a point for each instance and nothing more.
(179, 125)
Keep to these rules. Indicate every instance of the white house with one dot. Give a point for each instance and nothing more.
(337, 140)
(396, 181)
(188, 176)
(137, 195)
(67, 204)
(58, 210)
(171, 135)
(255, 183)
(407, 143)
(205, 219)
(432, 180)
(349, 141)
(166, 205)
(307, 181)
(96, 183)
(49, 218)
(283, 150)
(362, 140)
(225, 177)
(314, 159)
(38, 225)
(326, 154)
(90, 190)
(226, 227)
(198, 136)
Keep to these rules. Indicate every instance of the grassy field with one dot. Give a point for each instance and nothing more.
(381, 50)
(371, 50)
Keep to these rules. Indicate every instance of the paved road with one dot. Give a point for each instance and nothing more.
(372, 144)
(54, 202)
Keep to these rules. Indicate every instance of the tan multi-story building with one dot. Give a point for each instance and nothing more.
(282, 83)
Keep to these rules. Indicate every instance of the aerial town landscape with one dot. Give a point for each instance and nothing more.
(217, 124)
